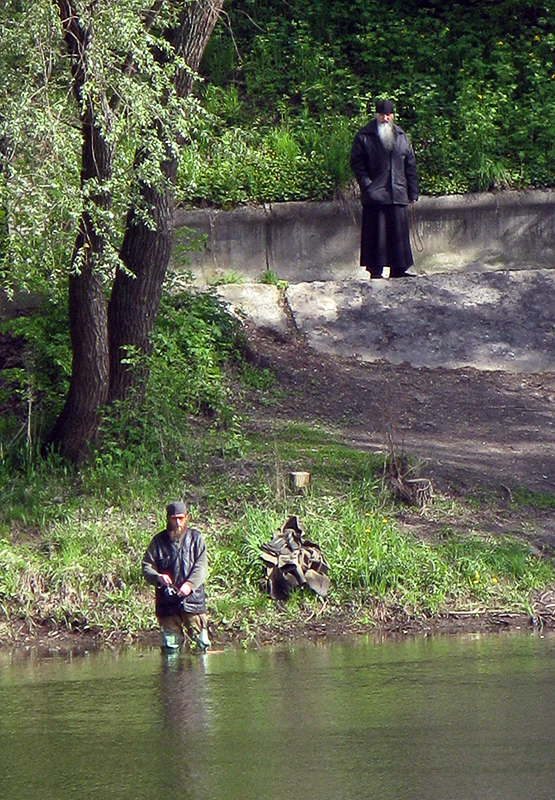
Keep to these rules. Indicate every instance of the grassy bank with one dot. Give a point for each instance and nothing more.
(71, 549)
(71, 542)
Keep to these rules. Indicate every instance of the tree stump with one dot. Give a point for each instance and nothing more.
(299, 480)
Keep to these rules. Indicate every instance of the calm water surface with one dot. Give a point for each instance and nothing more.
(426, 719)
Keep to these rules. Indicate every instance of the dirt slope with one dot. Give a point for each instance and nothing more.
(477, 435)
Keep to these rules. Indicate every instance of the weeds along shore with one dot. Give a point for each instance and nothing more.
(71, 548)
(72, 539)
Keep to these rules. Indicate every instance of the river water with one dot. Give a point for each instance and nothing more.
(446, 718)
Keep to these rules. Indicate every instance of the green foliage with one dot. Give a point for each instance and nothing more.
(256, 377)
(228, 278)
(270, 278)
(71, 545)
(474, 85)
(194, 337)
(371, 562)
(288, 162)
(129, 89)
(524, 496)
(83, 576)
(33, 388)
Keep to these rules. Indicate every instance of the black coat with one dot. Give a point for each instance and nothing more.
(384, 177)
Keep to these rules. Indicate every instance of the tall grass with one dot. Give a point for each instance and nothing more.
(371, 560)
(71, 543)
(76, 563)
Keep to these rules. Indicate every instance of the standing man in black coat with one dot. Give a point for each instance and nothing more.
(384, 165)
(176, 564)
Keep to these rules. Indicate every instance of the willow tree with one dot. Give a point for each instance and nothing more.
(96, 107)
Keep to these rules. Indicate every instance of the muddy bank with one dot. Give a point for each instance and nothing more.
(331, 626)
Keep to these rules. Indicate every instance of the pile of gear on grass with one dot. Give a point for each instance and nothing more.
(290, 562)
(293, 563)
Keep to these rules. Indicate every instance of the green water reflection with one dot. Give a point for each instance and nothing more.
(438, 719)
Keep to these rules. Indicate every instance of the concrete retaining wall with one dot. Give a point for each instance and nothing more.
(319, 241)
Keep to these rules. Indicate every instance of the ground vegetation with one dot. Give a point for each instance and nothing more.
(287, 86)
(229, 413)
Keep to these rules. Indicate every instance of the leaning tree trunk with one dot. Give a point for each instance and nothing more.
(147, 246)
(77, 426)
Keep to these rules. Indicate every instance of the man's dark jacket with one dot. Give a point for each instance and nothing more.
(384, 177)
(183, 560)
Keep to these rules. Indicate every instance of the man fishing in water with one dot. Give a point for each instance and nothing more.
(176, 564)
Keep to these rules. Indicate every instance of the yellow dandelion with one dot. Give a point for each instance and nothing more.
(480, 97)
(367, 530)
(536, 38)
(500, 43)
(494, 580)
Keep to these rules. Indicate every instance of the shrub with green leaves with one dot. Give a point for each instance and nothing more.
(194, 337)
(34, 383)
(287, 89)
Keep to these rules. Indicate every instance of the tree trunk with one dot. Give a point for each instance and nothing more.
(146, 247)
(136, 295)
(77, 426)
(102, 339)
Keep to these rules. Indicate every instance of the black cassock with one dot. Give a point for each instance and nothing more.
(385, 239)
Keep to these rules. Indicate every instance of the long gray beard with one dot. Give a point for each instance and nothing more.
(387, 135)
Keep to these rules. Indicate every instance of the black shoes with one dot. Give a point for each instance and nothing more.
(374, 277)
